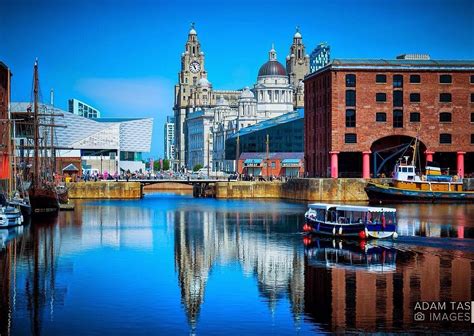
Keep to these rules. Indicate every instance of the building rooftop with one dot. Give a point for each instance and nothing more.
(84, 133)
(287, 117)
(272, 156)
(397, 64)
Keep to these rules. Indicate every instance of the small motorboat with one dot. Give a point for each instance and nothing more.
(362, 222)
(23, 203)
(10, 216)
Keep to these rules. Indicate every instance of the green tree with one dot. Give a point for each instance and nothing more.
(156, 165)
(197, 167)
(166, 164)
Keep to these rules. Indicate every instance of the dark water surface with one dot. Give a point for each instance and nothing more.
(174, 265)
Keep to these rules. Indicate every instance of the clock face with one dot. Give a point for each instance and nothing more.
(194, 67)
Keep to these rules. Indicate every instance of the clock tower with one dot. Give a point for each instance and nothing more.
(187, 92)
(297, 66)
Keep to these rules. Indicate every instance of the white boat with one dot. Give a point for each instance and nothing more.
(10, 216)
(362, 222)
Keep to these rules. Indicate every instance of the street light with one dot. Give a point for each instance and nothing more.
(208, 162)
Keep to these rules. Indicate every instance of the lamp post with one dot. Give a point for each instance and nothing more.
(268, 150)
(208, 162)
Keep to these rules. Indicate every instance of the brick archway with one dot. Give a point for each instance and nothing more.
(386, 148)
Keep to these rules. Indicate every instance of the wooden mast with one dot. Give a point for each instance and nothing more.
(36, 128)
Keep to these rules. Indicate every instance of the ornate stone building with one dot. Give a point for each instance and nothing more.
(297, 66)
(277, 91)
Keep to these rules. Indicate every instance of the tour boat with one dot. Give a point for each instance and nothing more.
(351, 221)
(408, 186)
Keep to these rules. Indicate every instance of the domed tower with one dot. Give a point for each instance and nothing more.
(247, 114)
(274, 93)
(297, 66)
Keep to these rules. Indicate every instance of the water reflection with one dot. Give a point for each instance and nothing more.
(148, 266)
(258, 240)
(436, 220)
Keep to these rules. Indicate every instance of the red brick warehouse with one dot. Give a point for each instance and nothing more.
(357, 109)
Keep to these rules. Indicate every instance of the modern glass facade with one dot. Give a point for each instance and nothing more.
(82, 109)
(285, 134)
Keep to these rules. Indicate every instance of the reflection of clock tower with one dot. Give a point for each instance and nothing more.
(187, 95)
(297, 66)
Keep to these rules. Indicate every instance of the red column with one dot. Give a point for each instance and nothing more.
(334, 164)
(461, 164)
(366, 164)
(429, 155)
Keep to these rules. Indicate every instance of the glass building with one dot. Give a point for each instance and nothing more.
(320, 57)
(285, 134)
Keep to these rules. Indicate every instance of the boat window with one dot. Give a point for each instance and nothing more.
(399, 169)
(410, 170)
(404, 169)
(321, 214)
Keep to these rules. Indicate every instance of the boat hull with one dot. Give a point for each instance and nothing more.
(353, 230)
(43, 201)
(386, 194)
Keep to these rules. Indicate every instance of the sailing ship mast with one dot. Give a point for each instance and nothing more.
(36, 126)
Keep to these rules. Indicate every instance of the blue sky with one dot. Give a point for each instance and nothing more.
(123, 56)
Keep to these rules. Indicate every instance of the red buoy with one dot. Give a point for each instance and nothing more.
(362, 235)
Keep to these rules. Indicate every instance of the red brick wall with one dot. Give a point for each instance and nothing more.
(4, 127)
(368, 130)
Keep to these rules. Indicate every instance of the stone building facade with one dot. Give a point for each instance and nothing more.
(277, 91)
(355, 108)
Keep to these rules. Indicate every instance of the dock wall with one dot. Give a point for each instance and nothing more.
(105, 190)
(314, 189)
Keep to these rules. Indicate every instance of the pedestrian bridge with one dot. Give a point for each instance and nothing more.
(181, 181)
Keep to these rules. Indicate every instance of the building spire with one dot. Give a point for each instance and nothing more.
(192, 31)
(272, 54)
(297, 34)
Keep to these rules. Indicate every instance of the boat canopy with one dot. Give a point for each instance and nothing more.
(322, 206)
(364, 208)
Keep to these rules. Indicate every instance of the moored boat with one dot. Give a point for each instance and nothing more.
(409, 186)
(351, 221)
(10, 216)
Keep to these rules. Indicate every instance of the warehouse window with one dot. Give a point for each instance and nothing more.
(397, 119)
(398, 98)
(350, 118)
(350, 80)
(350, 98)
(445, 79)
(415, 117)
(397, 81)
(381, 117)
(445, 97)
(414, 98)
(380, 78)
(380, 97)
(445, 138)
(415, 79)
(350, 138)
(445, 117)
